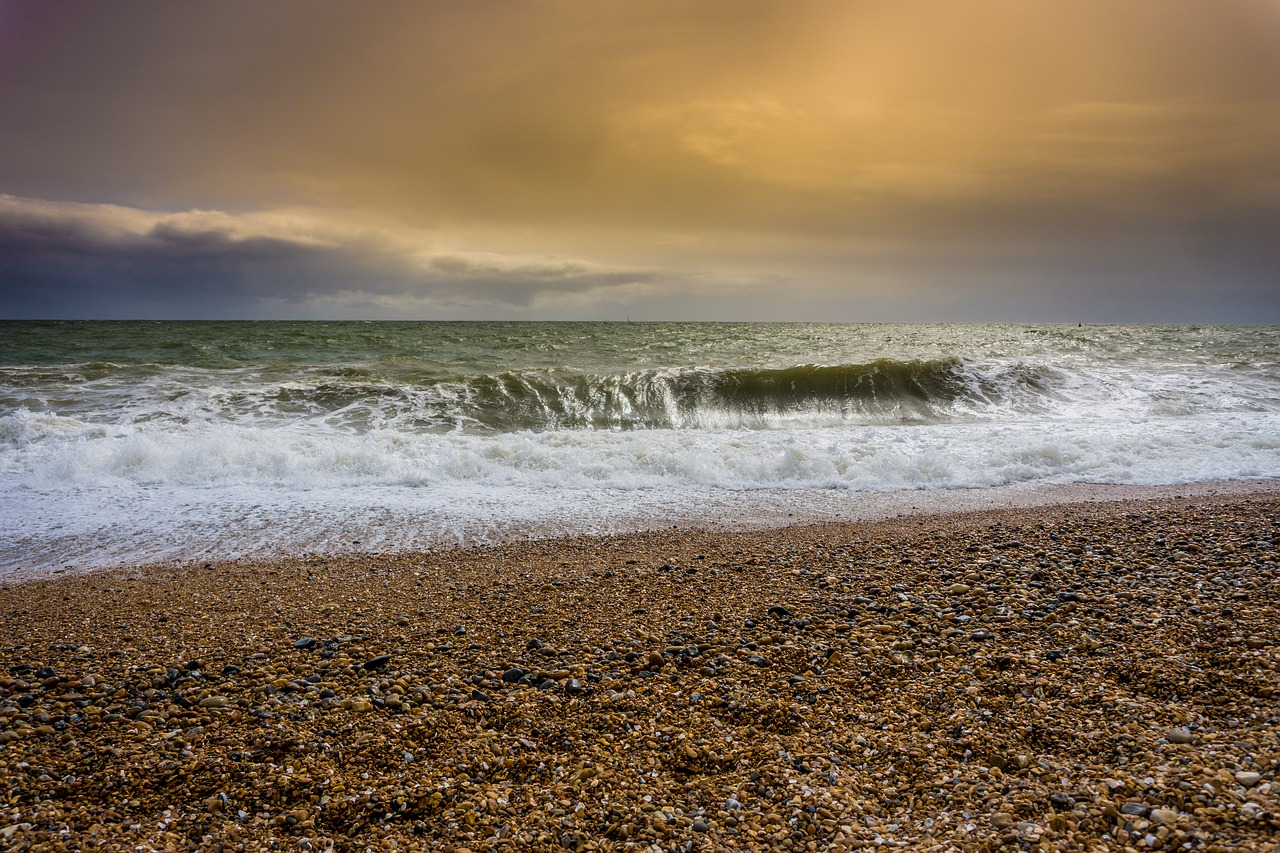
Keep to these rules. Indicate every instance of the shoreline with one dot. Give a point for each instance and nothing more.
(1070, 675)
(728, 511)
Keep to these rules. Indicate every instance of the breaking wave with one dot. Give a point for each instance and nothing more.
(357, 400)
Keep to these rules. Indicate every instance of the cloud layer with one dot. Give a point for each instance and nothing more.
(855, 160)
(119, 262)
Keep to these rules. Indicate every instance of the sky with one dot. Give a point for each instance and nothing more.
(991, 160)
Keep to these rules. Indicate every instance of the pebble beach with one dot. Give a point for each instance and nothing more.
(1081, 676)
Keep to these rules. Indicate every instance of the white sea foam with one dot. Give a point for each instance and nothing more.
(144, 449)
(88, 494)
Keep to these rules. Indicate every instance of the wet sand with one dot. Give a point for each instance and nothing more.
(1087, 675)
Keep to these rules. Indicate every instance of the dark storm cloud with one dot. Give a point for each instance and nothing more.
(59, 260)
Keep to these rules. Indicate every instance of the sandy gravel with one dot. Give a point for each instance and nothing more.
(1090, 676)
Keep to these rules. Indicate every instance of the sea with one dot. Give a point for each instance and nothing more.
(125, 443)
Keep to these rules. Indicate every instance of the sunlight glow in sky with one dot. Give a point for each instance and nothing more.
(895, 160)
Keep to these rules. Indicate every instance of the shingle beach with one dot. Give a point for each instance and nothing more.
(1085, 676)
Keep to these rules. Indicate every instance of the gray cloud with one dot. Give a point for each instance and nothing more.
(62, 260)
(75, 260)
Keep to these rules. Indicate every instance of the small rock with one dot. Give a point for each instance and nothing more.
(1178, 735)
(573, 687)
(700, 825)
(1248, 778)
(376, 663)
(305, 643)
(1167, 816)
(513, 675)
(1062, 802)
(1133, 809)
(1002, 820)
(777, 611)
(460, 631)
(214, 702)
(958, 588)
(479, 696)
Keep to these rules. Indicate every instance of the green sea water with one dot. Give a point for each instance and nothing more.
(289, 435)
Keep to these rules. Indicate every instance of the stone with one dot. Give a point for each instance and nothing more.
(1062, 802)
(795, 756)
(1248, 778)
(1178, 735)
(376, 663)
(958, 588)
(305, 643)
(777, 611)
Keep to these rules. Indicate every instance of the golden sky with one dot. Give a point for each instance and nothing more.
(987, 159)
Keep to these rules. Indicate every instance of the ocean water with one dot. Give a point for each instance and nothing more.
(130, 442)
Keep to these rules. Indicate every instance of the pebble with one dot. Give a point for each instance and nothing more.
(860, 717)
